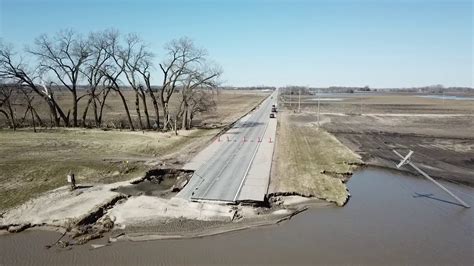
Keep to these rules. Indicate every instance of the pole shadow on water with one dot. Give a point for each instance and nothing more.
(430, 196)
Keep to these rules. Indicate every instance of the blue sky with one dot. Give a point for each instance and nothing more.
(379, 43)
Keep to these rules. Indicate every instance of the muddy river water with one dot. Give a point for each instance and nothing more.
(390, 219)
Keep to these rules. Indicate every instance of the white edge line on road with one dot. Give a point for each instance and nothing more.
(203, 200)
(250, 164)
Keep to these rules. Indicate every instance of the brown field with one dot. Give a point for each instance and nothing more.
(387, 103)
(31, 163)
(228, 106)
(440, 132)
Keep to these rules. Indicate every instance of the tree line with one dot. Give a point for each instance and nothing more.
(101, 63)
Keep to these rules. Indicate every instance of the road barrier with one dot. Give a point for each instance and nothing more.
(244, 140)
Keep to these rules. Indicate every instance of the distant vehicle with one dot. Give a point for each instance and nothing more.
(272, 115)
(274, 109)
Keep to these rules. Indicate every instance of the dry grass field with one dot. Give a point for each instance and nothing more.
(31, 163)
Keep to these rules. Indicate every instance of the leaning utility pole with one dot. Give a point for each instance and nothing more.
(406, 160)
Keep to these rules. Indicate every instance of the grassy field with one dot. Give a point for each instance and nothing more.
(31, 163)
(310, 161)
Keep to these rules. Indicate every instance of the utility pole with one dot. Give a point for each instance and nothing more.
(299, 100)
(406, 160)
(319, 98)
(291, 96)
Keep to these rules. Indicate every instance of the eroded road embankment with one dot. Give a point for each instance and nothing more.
(310, 161)
(139, 209)
(310, 168)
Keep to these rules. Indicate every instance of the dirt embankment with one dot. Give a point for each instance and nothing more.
(140, 209)
(309, 161)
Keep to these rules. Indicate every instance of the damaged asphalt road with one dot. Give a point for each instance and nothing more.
(89, 212)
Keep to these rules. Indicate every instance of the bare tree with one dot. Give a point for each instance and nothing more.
(113, 71)
(145, 72)
(182, 56)
(29, 97)
(12, 95)
(105, 61)
(14, 70)
(202, 101)
(2, 101)
(63, 56)
(94, 73)
(6, 104)
(133, 57)
(200, 82)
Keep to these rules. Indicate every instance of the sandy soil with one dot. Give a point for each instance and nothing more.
(282, 208)
(62, 207)
(89, 212)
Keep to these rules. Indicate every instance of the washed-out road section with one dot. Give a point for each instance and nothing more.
(236, 166)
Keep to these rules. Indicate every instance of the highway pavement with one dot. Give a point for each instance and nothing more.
(221, 175)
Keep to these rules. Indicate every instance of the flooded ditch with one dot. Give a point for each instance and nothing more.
(391, 218)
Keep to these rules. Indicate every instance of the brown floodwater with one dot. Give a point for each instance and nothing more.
(390, 219)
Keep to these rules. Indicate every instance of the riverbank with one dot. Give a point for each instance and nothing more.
(95, 211)
(427, 230)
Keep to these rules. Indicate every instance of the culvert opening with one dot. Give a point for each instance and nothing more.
(162, 183)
